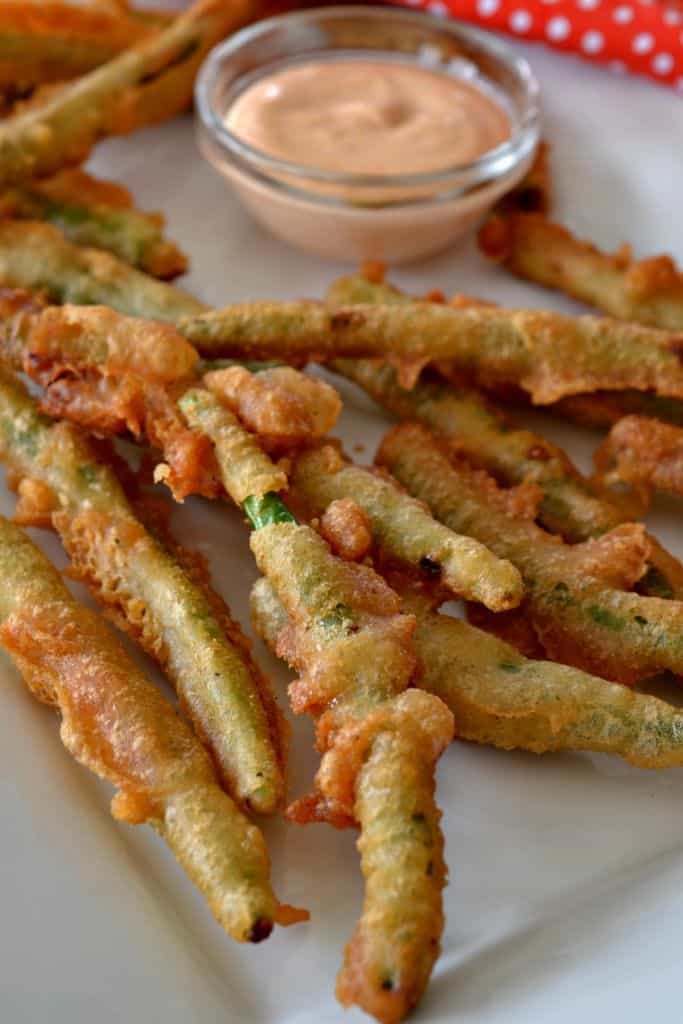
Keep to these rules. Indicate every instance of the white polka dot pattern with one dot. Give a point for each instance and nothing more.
(487, 7)
(643, 42)
(592, 41)
(520, 21)
(662, 63)
(641, 36)
(558, 28)
(622, 15)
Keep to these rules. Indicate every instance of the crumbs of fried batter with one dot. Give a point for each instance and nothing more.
(347, 530)
(35, 505)
(373, 271)
(644, 454)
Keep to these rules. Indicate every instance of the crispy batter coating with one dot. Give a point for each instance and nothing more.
(245, 469)
(500, 697)
(99, 214)
(73, 338)
(643, 454)
(570, 505)
(404, 530)
(549, 355)
(149, 82)
(580, 618)
(649, 291)
(106, 406)
(190, 465)
(347, 529)
(37, 257)
(353, 651)
(620, 557)
(284, 407)
(185, 627)
(120, 726)
(112, 374)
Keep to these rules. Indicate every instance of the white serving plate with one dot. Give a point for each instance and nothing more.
(566, 894)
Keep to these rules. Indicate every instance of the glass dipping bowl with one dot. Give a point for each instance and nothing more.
(350, 217)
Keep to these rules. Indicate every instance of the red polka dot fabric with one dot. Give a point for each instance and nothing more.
(640, 36)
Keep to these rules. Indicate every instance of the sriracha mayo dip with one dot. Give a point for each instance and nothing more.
(363, 133)
(368, 117)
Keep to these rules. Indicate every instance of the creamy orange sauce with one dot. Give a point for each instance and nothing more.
(368, 117)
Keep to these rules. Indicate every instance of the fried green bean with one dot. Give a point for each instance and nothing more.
(546, 354)
(118, 724)
(146, 83)
(403, 529)
(37, 257)
(500, 698)
(579, 613)
(53, 41)
(389, 960)
(167, 608)
(380, 741)
(598, 409)
(480, 432)
(569, 504)
(649, 291)
(98, 214)
(245, 470)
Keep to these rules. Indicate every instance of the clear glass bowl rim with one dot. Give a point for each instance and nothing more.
(491, 165)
